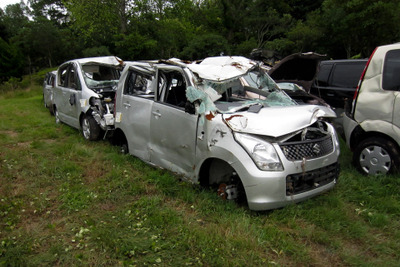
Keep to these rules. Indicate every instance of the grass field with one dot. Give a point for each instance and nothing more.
(66, 202)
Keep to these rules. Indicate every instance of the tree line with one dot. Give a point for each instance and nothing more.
(37, 34)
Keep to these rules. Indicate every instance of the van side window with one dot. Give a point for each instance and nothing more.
(138, 84)
(347, 75)
(172, 88)
(62, 73)
(323, 74)
(391, 71)
(73, 81)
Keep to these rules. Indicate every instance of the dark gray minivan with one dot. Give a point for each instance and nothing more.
(337, 80)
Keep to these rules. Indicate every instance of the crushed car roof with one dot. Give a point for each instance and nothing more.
(108, 60)
(222, 68)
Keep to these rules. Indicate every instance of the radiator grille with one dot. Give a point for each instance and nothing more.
(307, 149)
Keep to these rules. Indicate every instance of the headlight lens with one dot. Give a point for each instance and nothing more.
(263, 153)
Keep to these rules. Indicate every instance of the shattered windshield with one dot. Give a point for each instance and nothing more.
(100, 76)
(254, 88)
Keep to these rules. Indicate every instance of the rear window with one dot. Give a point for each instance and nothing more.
(347, 75)
(391, 71)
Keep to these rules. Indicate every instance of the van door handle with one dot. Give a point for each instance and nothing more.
(156, 114)
(127, 105)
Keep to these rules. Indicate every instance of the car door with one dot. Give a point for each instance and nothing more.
(134, 109)
(173, 131)
(69, 91)
(391, 83)
(48, 89)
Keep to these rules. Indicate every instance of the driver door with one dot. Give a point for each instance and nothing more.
(69, 90)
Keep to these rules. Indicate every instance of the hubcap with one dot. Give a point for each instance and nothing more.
(86, 128)
(375, 160)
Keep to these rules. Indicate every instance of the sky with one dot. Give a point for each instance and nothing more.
(4, 3)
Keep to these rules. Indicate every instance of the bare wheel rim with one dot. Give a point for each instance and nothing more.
(375, 160)
(86, 128)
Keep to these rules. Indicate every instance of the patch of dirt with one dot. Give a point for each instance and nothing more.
(10, 133)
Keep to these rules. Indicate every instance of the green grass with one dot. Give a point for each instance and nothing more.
(68, 202)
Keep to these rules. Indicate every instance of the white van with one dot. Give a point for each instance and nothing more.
(225, 123)
(372, 124)
(84, 94)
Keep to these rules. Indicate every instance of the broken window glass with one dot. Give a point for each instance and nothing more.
(255, 88)
(99, 76)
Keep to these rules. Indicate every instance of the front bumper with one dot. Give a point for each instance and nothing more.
(300, 179)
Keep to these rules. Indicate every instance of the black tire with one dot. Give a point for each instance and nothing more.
(120, 141)
(90, 129)
(376, 155)
(51, 110)
(123, 148)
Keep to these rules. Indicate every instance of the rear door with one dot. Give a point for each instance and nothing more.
(391, 83)
(173, 131)
(134, 109)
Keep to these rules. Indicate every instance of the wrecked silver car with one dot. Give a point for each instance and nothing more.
(84, 94)
(48, 86)
(224, 123)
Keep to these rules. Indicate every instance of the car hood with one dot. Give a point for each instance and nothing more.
(299, 68)
(277, 121)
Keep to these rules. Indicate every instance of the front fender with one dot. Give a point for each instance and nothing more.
(383, 127)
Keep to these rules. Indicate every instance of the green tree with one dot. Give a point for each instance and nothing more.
(54, 10)
(358, 26)
(11, 61)
(204, 46)
(96, 21)
(15, 18)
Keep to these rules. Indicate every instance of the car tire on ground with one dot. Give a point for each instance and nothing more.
(90, 129)
(123, 149)
(376, 155)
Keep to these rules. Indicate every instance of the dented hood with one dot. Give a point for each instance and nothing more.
(222, 68)
(277, 121)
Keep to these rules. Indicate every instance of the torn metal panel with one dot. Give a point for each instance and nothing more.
(277, 121)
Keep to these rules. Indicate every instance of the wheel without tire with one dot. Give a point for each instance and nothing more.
(375, 156)
(90, 129)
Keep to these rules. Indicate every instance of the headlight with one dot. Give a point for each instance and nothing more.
(263, 153)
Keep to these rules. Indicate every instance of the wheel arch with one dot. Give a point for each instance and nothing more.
(359, 135)
(119, 137)
(206, 167)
